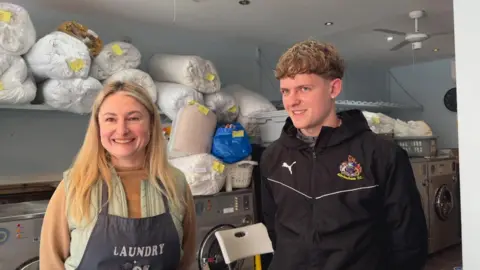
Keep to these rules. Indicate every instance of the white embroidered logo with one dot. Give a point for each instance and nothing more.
(289, 167)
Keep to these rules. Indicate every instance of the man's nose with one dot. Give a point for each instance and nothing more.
(292, 99)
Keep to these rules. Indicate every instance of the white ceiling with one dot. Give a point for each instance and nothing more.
(288, 21)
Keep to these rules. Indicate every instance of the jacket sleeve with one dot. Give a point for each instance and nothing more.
(405, 218)
(268, 210)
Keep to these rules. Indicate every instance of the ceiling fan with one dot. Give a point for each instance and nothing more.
(414, 38)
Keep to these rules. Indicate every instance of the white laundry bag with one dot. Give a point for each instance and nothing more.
(14, 71)
(250, 104)
(136, 76)
(190, 70)
(412, 129)
(59, 56)
(17, 33)
(379, 123)
(114, 57)
(224, 106)
(71, 95)
(205, 174)
(16, 84)
(23, 93)
(173, 96)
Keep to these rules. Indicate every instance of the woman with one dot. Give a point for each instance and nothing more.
(121, 205)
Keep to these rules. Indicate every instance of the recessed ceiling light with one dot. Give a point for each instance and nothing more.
(390, 38)
(436, 49)
(328, 23)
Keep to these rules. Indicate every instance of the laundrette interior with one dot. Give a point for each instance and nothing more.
(405, 84)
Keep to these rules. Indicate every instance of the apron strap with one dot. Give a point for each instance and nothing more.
(104, 208)
(164, 196)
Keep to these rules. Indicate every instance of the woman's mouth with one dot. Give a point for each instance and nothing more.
(123, 141)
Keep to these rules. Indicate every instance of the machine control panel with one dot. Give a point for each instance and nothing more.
(18, 231)
(224, 203)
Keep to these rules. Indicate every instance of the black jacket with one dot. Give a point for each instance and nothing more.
(349, 203)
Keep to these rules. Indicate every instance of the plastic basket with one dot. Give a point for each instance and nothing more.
(418, 146)
(239, 174)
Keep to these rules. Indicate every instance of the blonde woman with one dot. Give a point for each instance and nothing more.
(121, 205)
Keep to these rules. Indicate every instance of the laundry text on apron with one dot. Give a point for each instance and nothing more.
(119, 243)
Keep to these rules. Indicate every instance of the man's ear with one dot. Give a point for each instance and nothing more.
(335, 88)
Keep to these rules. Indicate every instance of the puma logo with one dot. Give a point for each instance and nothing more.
(289, 167)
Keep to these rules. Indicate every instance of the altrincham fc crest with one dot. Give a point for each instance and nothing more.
(350, 169)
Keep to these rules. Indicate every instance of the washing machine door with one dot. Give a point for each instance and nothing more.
(444, 202)
(210, 253)
(33, 264)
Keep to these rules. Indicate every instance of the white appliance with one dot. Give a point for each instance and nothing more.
(224, 210)
(20, 227)
(437, 181)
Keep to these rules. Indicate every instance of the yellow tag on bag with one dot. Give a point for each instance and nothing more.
(218, 166)
(117, 50)
(233, 109)
(203, 109)
(76, 65)
(1, 86)
(5, 16)
(210, 77)
(191, 102)
(238, 133)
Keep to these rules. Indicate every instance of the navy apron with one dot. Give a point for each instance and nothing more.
(119, 243)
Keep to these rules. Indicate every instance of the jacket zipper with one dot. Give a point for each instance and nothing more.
(313, 201)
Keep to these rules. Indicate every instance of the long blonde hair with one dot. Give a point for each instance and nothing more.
(92, 163)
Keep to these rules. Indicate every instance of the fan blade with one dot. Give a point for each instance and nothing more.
(399, 45)
(388, 31)
(440, 34)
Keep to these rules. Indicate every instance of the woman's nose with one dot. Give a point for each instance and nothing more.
(122, 127)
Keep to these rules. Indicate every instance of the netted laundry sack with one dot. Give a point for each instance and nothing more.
(114, 57)
(250, 104)
(17, 33)
(59, 56)
(73, 95)
(204, 173)
(173, 96)
(224, 106)
(84, 34)
(190, 70)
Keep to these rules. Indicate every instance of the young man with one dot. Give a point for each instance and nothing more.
(335, 195)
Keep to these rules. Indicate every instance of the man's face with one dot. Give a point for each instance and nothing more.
(309, 100)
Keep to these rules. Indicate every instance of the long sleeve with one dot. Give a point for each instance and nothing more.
(268, 210)
(404, 216)
(55, 235)
(189, 231)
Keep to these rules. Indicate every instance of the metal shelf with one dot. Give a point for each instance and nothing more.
(34, 107)
(373, 106)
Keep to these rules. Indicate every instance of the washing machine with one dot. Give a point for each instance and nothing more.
(225, 210)
(420, 171)
(444, 208)
(20, 227)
